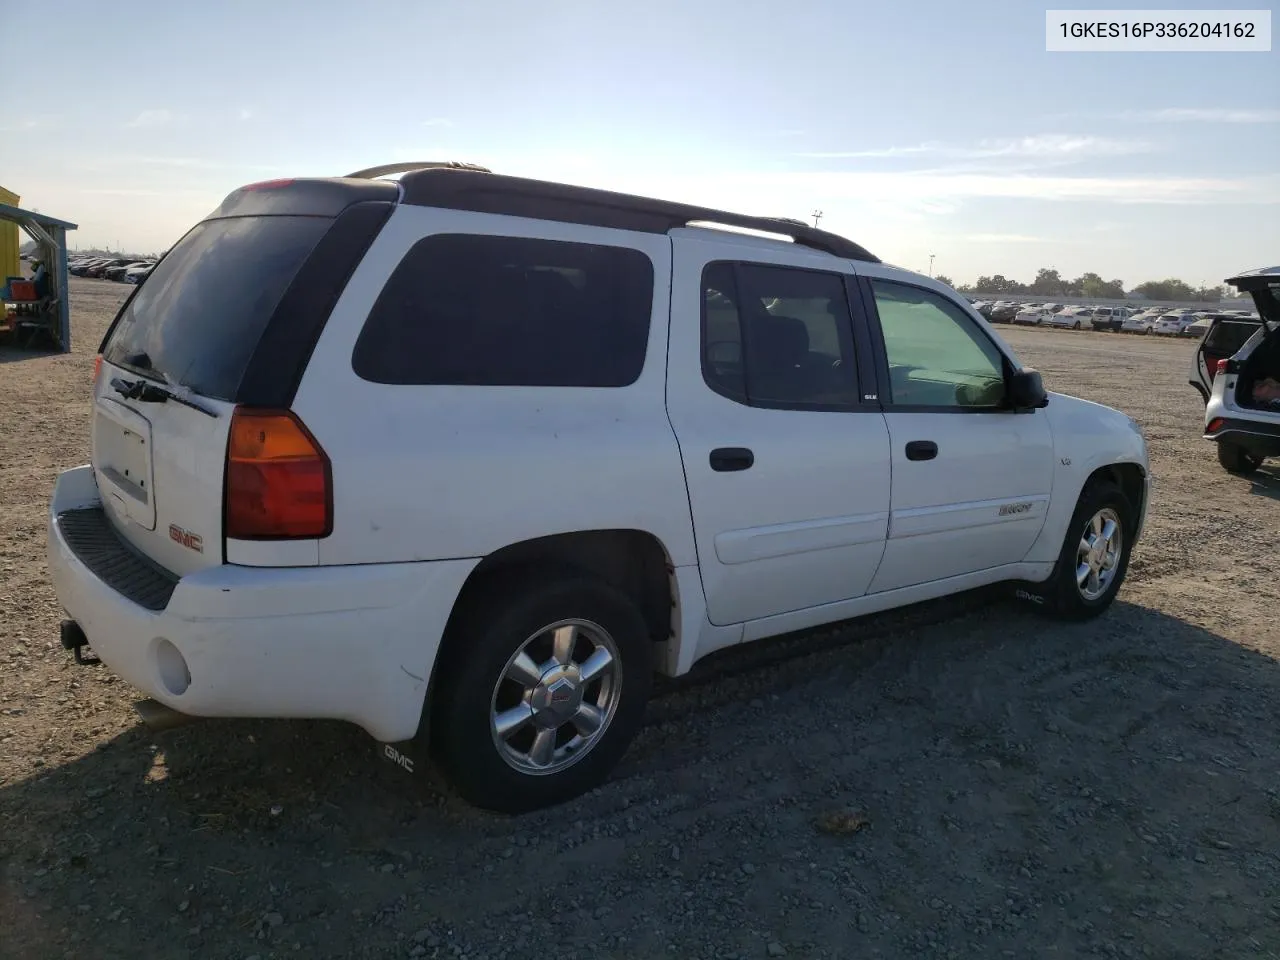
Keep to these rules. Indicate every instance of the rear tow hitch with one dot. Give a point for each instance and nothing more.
(73, 639)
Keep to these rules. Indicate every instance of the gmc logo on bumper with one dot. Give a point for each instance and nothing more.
(192, 541)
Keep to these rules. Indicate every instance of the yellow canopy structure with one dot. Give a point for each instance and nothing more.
(9, 240)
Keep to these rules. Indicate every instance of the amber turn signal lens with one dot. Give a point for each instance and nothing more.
(279, 480)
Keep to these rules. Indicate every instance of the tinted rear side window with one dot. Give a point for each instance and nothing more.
(510, 311)
(199, 316)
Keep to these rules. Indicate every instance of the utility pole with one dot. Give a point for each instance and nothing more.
(931, 256)
(817, 215)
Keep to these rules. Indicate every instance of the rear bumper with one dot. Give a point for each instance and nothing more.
(353, 643)
(1260, 438)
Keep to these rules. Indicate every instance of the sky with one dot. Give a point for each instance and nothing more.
(918, 129)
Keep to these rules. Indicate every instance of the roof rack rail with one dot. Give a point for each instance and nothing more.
(382, 170)
(467, 189)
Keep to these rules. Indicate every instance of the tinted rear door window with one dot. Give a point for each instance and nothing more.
(199, 316)
(1228, 336)
(510, 311)
(798, 350)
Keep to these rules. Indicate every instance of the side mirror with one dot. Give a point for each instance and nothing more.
(1026, 390)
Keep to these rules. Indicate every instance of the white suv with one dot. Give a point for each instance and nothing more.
(1242, 380)
(466, 459)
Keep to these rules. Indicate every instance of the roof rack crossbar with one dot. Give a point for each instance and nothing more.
(565, 203)
(382, 170)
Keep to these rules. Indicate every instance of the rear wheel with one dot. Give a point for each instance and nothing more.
(1236, 459)
(1076, 325)
(544, 686)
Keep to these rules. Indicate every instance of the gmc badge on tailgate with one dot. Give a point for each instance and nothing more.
(192, 541)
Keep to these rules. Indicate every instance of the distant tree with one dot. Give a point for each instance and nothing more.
(1048, 283)
(943, 278)
(1171, 289)
(1214, 293)
(1092, 285)
(999, 284)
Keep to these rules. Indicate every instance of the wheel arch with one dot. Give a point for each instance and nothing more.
(636, 562)
(1130, 477)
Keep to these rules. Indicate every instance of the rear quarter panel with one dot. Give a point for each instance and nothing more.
(444, 472)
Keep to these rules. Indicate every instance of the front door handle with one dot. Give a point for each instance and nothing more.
(728, 459)
(921, 450)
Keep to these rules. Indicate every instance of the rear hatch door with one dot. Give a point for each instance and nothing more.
(1264, 286)
(171, 374)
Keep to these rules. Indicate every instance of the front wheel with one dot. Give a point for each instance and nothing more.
(1076, 325)
(1094, 557)
(544, 686)
(1236, 459)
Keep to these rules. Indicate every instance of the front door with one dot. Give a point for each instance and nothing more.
(971, 478)
(787, 466)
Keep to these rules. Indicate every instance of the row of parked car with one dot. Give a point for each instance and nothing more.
(120, 269)
(1178, 322)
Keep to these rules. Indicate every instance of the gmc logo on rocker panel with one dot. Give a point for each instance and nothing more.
(192, 541)
(396, 757)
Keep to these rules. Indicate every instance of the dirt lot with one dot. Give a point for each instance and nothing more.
(1031, 789)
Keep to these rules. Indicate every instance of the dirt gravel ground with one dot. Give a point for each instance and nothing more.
(965, 781)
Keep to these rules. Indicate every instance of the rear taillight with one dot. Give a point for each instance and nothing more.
(279, 482)
(97, 371)
(1222, 366)
(1214, 425)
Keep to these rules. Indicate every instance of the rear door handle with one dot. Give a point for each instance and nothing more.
(921, 450)
(728, 459)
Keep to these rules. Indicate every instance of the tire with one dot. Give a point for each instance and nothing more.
(512, 614)
(1236, 459)
(1076, 325)
(1062, 596)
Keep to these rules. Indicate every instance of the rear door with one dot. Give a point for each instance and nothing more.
(786, 462)
(219, 322)
(1221, 341)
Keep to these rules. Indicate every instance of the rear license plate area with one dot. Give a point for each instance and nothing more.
(122, 461)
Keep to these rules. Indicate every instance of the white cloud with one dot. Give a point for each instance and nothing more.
(437, 122)
(121, 192)
(29, 124)
(245, 114)
(911, 194)
(1200, 115)
(1002, 238)
(151, 118)
(1045, 146)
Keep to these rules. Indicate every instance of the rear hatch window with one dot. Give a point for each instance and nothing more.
(200, 315)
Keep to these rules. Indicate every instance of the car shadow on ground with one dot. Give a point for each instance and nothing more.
(1266, 481)
(1119, 769)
